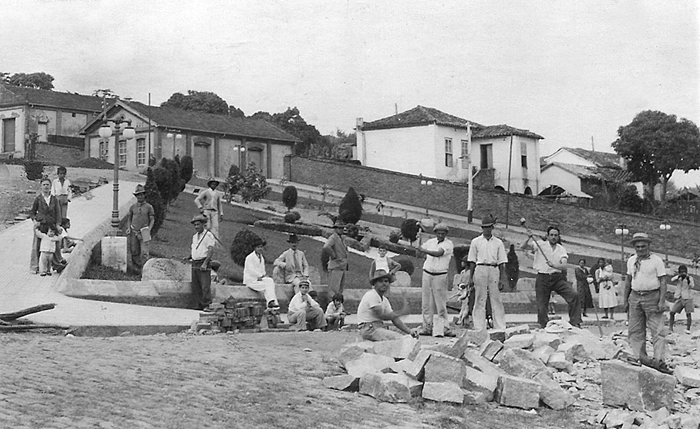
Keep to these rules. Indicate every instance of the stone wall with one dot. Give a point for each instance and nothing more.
(58, 155)
(574, 220)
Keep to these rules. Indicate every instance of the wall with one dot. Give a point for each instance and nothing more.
(575, 221)
(228, 156)
(520, 177)
(18, 114)
(58, 155)
(407, 149)
(554, 175)
(278, 152)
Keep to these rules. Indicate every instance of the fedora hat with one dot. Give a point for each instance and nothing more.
(640, 236)
(199, 218)
(293, 238)
(139, 189)
(213, 179)
(488, 221)
(381, 274)
(441, 227)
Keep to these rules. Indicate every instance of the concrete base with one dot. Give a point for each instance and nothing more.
(114, 253)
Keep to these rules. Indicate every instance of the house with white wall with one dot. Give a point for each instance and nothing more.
(425, 141)
(215, 142)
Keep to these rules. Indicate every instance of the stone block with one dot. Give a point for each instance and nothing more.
(441, 368)
(417, 370)
(517, 330)
(636, 387)
(522, 363)
(574, 351)
(517, 392)
(475, 361)
(405, 347)
(403, 366)
(443, 392)
(166, 269)
(368, 363)
(390, 387)
(490, 348)
(543, 338)
(344, 382)
(497, 335)
(520, 341)
(467, 337)
(476, 396)
(543, 353)
(114, 253)
(687, 376)
(478, 379)
(552, 394)
(558, 361)
(353, 351)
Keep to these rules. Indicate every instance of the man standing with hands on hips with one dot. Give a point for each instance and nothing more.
(438, 252)
(644, 299)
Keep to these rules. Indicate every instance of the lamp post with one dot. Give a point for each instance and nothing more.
(622, 230)
(106, 132)
(426, 183)
(175, 138)
(665, 227)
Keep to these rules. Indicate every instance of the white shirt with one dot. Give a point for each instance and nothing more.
(58, 189)
(438, 264)
(381, 263)
(487, 251)
(253, 268)
(646, 276)
(297, 303)
(371, 302)
(555, 255)
(201, 243)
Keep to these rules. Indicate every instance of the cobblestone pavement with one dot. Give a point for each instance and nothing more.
(183, 381)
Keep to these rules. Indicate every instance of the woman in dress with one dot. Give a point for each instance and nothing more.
(45, 209)
(607, 298)
(583, 281)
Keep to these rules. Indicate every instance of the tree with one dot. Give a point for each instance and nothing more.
(289, 197)
(350, 209)
(243, 245)
(186, 168)
(176, 183)
(154, 198)
(202, 101)
(656, 144)
(38, 80)
(292, 122)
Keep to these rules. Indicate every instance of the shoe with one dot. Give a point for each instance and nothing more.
(273, 305)
(450, 334)
(687, 331)
(604, 317)
(425, 332)
(43, 274)
(584, 315)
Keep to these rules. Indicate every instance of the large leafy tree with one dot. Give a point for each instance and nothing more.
(38, 80)
(292, 122)
(202, 101)
(656, 144)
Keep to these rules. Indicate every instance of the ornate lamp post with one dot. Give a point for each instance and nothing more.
(622, 230)
(665, 227)
(129, 133)
(426, 183)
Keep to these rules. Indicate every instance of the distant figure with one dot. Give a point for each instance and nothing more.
(48, 237)
(607, 298)
(338, 262)
(45, 209)
(683, 297)
(512, 268)
(60, 188)
(254, 275)
(291, 265)
(375, 308)
(139, 225)
(383, 262)
(67, 243)
(201, 252)
(335, 312)
(304, 311)
(583, 286)
(209, 204)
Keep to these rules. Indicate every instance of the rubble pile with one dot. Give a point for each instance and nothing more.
(231, 315)
(558, 367)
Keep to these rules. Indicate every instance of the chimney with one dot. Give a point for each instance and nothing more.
(359, 122)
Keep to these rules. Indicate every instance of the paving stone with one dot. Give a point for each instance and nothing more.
(405, 347)
(552, 394)
(402, 366)
(368, 363)
(417, 371)
(543, 338)
(443, 392)
(345, 382)
(497, 335)
(522, 363)
(481, 380)
(558, 361)
(517, 392)
(618, 418)
(689, 421)
(574, 351)
(468, 336)
(520, 341)
(441, 368)
(486, 366)
(476, 396)
(390, 387)
(490, 348)
(543, 353)
(636, 387)
(687, 376)
(517, 330)
(352, 351)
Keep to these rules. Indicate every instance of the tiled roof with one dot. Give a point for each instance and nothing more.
(206, 122)
(421, 115)
(601, 159)
(599, 173)
(14, 95)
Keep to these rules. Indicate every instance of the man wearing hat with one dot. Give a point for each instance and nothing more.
(438, 252)
(375, 308)
(291, 265)
(139, 224)
(202, 249)
(338, 262)
(487, 258)
(304, 312)
(644, 298)
(209, 204)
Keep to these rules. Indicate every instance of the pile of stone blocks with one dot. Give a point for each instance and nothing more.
(230, 315)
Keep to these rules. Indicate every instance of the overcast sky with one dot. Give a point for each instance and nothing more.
(568, 70)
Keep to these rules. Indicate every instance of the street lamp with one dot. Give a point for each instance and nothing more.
(106, 132)
(665, 227)
(426, 183)
(622, 230)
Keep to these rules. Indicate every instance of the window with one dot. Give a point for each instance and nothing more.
(8, 135)
(43, 132)
(448, 152)
(141, 152)
(465, 154)
(122, 153)
(523, 154)
(486, 156)
(104, 150)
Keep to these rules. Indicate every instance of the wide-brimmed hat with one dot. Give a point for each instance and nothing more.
(213, 179)
(488, 221)
(441, 227)
(199, 218)
(139, 189)
(381, 274)
(304, 282)
(293, 238)
(640, 236)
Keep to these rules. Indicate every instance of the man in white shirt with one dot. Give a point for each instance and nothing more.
(202, 249)
(291, 265)
(487, 258)
(304, 312)
(375, 308)
(60, 187)
(254, 275)
(438, 252)
(209, 204)
(550, 263)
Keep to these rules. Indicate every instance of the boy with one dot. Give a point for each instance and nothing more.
(60, 187)
(47, 246)
(335, 313)
(66, 243)
(140, 222)
(383, 262)
(304, 311)
(683, 297)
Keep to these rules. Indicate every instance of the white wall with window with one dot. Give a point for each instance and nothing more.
(449, 162)
(495, 153)
(141, 152)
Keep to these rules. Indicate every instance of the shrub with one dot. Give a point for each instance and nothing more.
(292, 217)
(186, 168)
(177, 184)
(163, 182)
(409, 229)
(252, 185)
(153, 197)
(630, 200)
(350, 209)
(289, 197)
(243, 244)
(406, 264)
(394, 236)
(34, 170)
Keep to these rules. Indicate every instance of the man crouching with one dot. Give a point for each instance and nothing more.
(304, 312)
(374, 308)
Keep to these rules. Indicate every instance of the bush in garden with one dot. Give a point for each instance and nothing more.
(629, 200)
(34, 170)
(177, 184)
(292, 217)
(243, 244)
(289, 197)
(394, 236)
(252, 185)
(410, 229)
(186, 168)
(350, 209)
(406, 264)
(153, 197)
(233, 181)
(163, 181)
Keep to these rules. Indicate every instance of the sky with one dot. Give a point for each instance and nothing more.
(572, 71)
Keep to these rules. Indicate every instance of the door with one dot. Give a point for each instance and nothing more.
(201, 159)
(255, 155)
(8, 135)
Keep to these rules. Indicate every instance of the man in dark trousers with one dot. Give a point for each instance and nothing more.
(202, 249)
